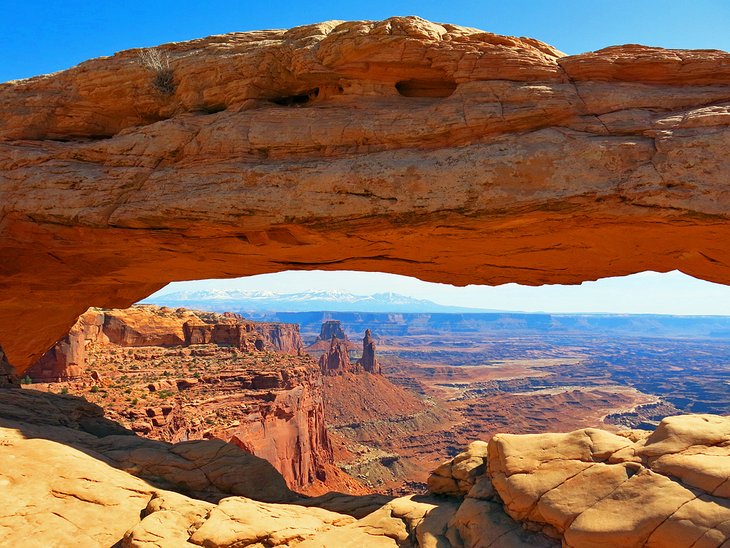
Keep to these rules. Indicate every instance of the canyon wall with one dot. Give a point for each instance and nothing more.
(432, 150)
(176, 375)
(159, 326)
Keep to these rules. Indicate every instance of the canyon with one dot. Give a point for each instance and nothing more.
(178, 375)
(405, 146)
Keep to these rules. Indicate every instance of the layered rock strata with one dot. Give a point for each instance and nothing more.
(146, 325)
(176, 375)
(424, 149)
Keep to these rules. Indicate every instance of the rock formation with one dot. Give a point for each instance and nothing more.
(8, 378)
(336, 360)
(591, 488)
(368, 361)
(331, 328)
(424, 149)
(146, 325)
(209, 376)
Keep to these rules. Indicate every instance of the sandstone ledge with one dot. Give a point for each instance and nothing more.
(68, 473)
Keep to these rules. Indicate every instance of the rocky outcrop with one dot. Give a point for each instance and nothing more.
(331, 328)
(67, 358)
(178, 375)
(280, 337)
(146, 325)
(446, 153)
(8, 379)
(368, 361)
(100, 486)
(94, 482)
(591, 488)
(336, 360)
(235, 335)
(457, 476)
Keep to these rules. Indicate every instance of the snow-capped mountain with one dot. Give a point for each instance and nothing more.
(237, 300)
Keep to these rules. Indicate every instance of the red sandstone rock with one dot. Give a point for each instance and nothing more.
(8, 378)
(368, 361)
(336, 360)
(147, 325)
(433, 150)
(329, 329)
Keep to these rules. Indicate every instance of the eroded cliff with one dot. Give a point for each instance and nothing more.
(404, 146)
(177, 375)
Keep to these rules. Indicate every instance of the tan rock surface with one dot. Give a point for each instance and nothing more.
(458, 475)
(405, 146)
(64, 472)
(594, 489)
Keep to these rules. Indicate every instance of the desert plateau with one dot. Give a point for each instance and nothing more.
(135, 416)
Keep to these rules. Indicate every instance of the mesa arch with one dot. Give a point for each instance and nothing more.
(436, 151)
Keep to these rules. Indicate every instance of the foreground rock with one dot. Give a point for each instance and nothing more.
(68, 473)
(593, 488)
(432, 150)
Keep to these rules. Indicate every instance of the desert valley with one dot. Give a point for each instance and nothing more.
(442, 152)
(299, 396)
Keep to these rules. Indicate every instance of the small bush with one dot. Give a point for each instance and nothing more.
(26, 380)
(64, 390)
(159, 63)
(94, 389)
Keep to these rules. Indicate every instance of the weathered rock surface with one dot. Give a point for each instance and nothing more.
(457, 476)
(336, 360)
(368, 361)
(443, 152)
(177, 375)
(329, 329)
(8, 379)
(92, 481)
(147, 325)
(593, 488)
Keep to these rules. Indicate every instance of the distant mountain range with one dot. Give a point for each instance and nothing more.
(236, 300)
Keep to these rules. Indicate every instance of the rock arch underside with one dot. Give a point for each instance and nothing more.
(431, 150)
(537, 168)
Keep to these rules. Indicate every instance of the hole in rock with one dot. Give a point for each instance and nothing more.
(213, 109)
(298, 99)
(386, 376)
(426, 88)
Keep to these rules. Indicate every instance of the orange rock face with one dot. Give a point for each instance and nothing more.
(215, 382)
(443, 152)
(336, 360)
(368, 361)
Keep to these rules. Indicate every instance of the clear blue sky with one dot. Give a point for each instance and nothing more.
(40, 37)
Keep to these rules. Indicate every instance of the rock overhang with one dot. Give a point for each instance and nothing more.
(405, 146)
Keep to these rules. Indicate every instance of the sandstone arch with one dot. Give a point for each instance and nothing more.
(537, 168)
